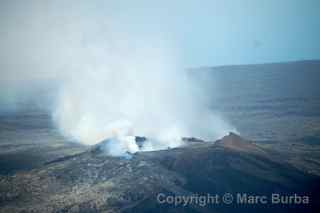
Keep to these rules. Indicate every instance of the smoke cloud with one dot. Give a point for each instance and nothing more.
(100, 79)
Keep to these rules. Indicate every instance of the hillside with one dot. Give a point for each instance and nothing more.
(93, 182)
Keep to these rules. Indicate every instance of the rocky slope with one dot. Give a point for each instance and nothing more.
(93, 182)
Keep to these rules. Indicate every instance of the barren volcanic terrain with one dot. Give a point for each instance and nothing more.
(90, 181)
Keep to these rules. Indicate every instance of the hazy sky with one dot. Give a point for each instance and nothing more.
(208, 32)
(212, 32)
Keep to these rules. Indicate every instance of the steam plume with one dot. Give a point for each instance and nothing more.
(105, 81)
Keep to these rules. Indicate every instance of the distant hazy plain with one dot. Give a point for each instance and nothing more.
(270, 102)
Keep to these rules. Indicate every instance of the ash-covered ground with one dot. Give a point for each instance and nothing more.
(91, 181)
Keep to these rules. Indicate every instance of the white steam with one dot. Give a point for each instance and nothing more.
(106, 80)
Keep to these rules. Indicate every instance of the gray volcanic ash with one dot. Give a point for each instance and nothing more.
(94, 182)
